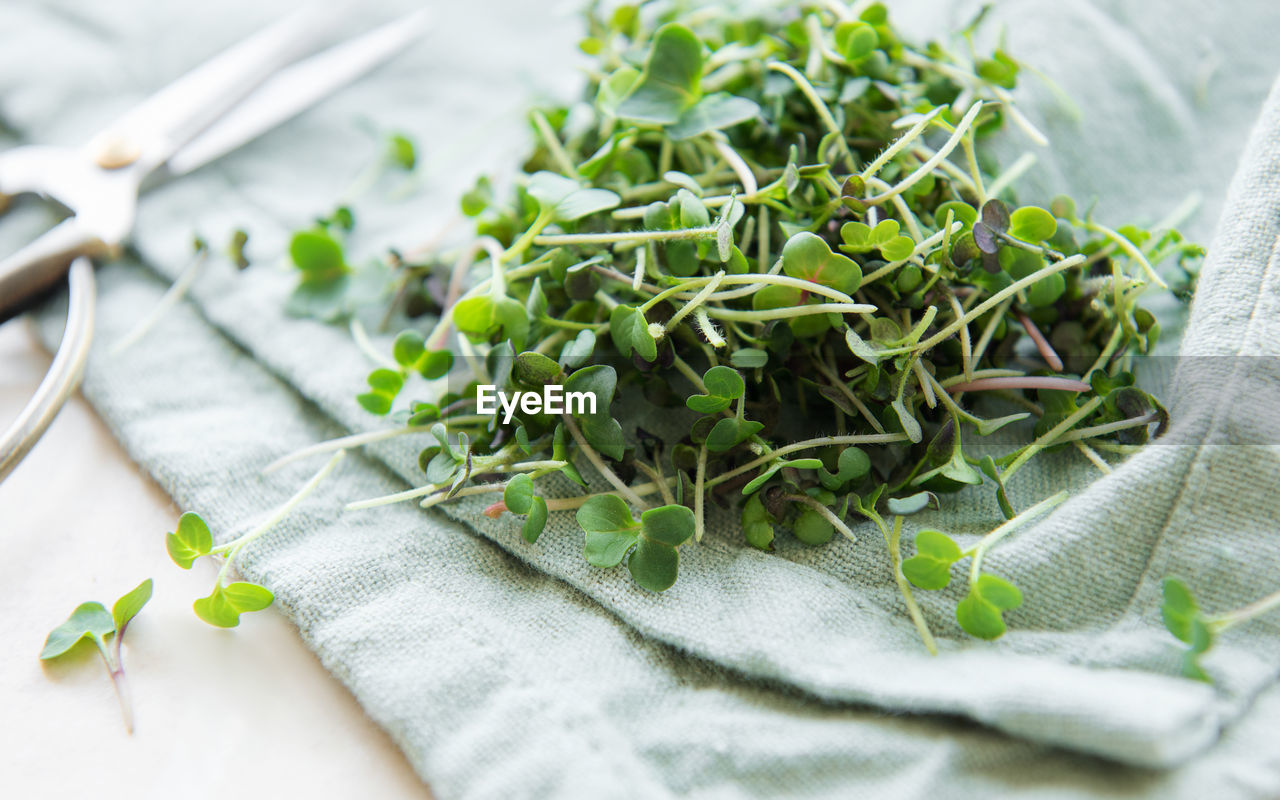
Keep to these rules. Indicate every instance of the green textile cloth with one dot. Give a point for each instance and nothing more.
(504, 669)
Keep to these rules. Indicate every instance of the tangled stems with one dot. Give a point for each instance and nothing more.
(814, 240)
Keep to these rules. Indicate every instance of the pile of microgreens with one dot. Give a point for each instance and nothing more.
(783, 232)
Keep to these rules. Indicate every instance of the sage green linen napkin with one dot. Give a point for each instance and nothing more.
(508, 669)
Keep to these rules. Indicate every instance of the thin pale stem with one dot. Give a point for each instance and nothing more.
(894, 541)
(999, 297)
(809, 444)
(1051, 436)
(1009, 526)
(342, 443)
(167, 301)
(601, 467)
(825, 512)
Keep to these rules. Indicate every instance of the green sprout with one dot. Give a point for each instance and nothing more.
(780, 256)
(106, 630)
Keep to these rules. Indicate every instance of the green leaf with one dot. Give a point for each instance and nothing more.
(749, 358)
(375, 403)
(851, 465)
(190, 541)
(128, 606)
(724, 382)
(401, 151)
(600, 380)
(519, 494)
(909, 424)
(812, 528)
(898, 248)
(536, 521)
(630, 332)
(724, 385)
(89, 619)
(224, 606)
(408, 347)
(707, 404)
(577, 351)
(613, 90)
(386, 380)
(317, 254)
(728, 433)
(930, 567)
(807, 256)
(583, 203)
(980, 613)
(913, 504)
(855, 40)
(1180, 609)
(604, 433)
(610, 530)
(654, 565)
(671, 524)
(861, 348)
(482, 317)
(478, 198)
(960, 212)
(1032, 224)
(435, 364)
(763, 477)
(670, 81)
(712, 113)
(535, 369)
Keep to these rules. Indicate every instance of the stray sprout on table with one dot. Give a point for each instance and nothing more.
(106, 630)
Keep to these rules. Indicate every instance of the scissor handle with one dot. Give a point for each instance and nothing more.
(63, 376)
(30, 273)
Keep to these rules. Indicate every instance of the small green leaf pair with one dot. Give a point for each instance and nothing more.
(855, 40)
(92, 621)
(981, 612)
(519, 498)
(565, 200)
(225, 604)
(669, 91)
(448, 461)
(630, 333)
(757, 525)
(724, 385)
(860, 237)
(384, 386)
(1183, 618)
(612, 533)
(410, 351)
(485, 318)
(600, 429)
(808, 257)
(682, 212)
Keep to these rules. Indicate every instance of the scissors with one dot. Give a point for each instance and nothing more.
(214, 109)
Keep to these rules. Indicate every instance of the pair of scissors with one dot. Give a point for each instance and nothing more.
(219, 106)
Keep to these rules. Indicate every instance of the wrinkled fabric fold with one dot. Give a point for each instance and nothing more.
(503, 668)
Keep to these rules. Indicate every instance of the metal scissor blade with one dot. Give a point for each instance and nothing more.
(296, 88)
(170, 118)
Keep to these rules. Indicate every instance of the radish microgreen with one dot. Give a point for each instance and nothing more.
(781, 258)
(106, 630)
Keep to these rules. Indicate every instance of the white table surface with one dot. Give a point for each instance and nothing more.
(217, 712)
